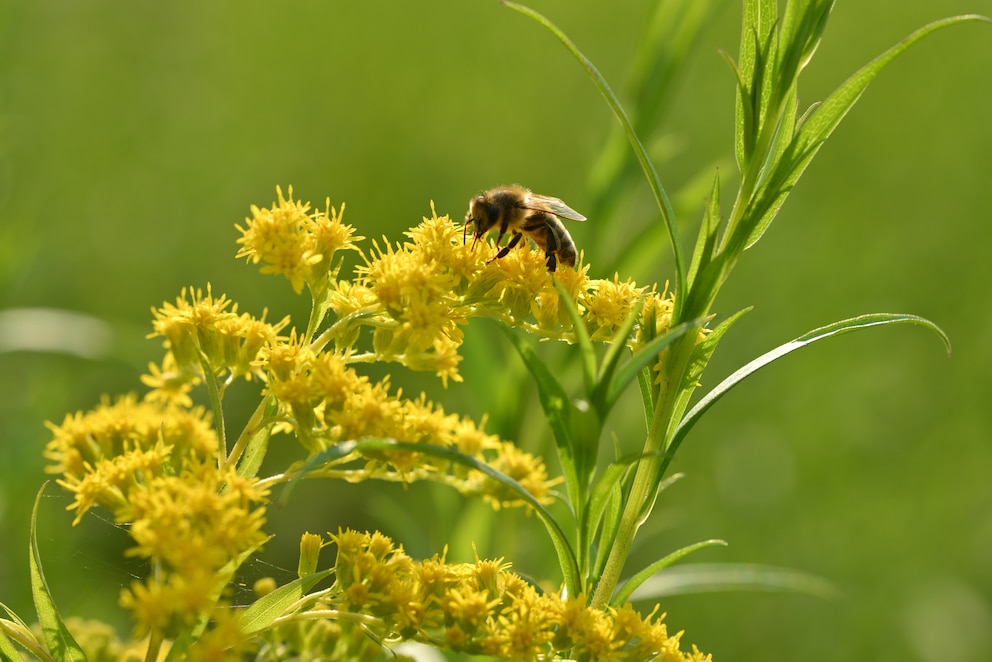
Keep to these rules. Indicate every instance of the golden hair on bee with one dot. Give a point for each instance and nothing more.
(519, 212)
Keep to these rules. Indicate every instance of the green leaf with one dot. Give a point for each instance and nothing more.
(645, 384)
(802, 29)
(661, 198)
(7, 649)
(644, 356)
(706, 240)
(758, 20)
(605, 493)
(618, 345)
(821, 121)
(611, 524)
(335, 452)
(17, 630)
(566, 556)
(834, 329)
(258, 444)
(587, 353)
(623, 595)
(59, 641)
(264, 611)
(557, 410)
(711, 577)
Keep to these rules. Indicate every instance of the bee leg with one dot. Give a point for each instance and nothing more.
(503, 227)
(506, 249)
(551, 249)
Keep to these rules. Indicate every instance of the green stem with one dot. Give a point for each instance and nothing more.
(154, 645)
(335, 329)
(251, 427)
(647, 477)
(213, 390)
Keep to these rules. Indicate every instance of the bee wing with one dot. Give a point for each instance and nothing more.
(553, 205)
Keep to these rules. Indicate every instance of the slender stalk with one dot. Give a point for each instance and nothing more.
(251, 427)
(154, 645)
(210, 379)
(646, 478)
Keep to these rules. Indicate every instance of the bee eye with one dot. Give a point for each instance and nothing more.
(492, 212)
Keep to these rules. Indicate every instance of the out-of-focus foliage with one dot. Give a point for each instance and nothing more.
(131, 137)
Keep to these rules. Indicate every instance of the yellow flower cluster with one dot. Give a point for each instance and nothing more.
(153, 465)
(415, 294)
(195, 527)
(195, 513)
(293, 242)
(106, 453)
(484, 608)
(326, 402)
(201, 328)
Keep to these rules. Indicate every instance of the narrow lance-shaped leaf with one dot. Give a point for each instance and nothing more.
(700, 358)
(835, 329)
(802, 29)
(706, 240)
(644, 357)
(611, 359)
(60, 643)
(7, 649)
(557, 410)
(610, 528)
(14, 629)
(587, 354)
(710, 577)
(623, 595)
(757, 26)
(258, 441)
(612, 516)
(605, 493)
(820, 123)
(264, 611)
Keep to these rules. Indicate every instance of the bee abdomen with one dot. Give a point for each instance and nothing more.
(566, 252)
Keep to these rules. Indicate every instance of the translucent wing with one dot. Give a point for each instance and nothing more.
(553, 205)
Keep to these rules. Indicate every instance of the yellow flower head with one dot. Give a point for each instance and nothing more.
(197, 520)
(607, 306)
(127, 426)
(293, 242)
(204, 328)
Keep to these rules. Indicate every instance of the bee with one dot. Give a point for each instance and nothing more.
(516, 210)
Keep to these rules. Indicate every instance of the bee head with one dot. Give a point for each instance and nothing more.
(483, 213)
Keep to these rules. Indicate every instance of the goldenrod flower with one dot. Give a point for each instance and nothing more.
(190, 526)
(168, 384)
(201, 517)
(153, 463)
(128, 426)
(484, 608)
(204, 328)
(608, 304)
(294, 243)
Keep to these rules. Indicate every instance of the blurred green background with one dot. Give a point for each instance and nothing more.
(134, 135)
